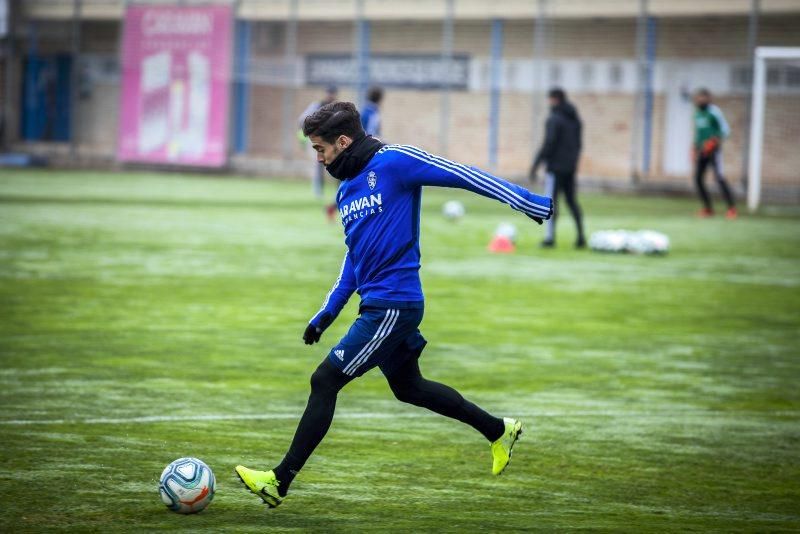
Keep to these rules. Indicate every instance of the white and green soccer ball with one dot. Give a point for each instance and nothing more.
(187, 486)
(453, 210)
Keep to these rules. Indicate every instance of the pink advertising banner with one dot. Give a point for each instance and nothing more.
(176, 64)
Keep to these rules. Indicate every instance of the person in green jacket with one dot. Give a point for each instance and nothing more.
(710, 128)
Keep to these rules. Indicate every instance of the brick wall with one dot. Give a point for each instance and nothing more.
(413, 116)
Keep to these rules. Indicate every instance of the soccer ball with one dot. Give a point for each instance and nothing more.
(649, 242)
(508, 231)
(453, 209)
(186, 486)
(609, 241)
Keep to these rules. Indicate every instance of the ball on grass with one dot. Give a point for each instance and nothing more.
(187, 486)
(453, 210)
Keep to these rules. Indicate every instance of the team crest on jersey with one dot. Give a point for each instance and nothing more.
(372, 180)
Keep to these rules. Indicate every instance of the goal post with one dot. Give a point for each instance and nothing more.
(763, 55)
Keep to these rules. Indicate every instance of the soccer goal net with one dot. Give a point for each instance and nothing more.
(774, 157)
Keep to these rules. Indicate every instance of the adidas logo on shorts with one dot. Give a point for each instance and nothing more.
(339, 354)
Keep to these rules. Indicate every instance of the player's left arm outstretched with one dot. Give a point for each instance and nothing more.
(420, 168)
(338, 296)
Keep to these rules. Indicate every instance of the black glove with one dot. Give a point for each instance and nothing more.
(538, 220)
(312, 334)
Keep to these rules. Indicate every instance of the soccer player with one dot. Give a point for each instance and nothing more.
(561, 150)
(379, 204)
(710, 128)
(371, 116)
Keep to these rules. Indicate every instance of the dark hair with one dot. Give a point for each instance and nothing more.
(703, 92)
(557, 93)
(332, 120)
(375, 94)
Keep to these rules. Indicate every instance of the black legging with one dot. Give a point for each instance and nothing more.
(406, 383)
(702, 163)
(565, 182)
(326, 382)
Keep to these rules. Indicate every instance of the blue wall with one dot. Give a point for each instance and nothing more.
(241, 87)
(46, 110)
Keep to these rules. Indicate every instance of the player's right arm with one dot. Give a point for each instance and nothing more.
(337, 297)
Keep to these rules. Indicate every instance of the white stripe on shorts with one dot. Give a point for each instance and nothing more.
(384, 330)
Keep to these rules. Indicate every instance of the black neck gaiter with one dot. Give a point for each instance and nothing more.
(354, 158)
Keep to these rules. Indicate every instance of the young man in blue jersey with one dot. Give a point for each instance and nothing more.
(379, 204)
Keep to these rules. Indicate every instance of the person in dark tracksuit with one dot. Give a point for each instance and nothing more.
(560, 151)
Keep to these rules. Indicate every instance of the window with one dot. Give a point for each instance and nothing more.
(741, 77)
(779, 77)
(99, 68)
(793, 76)
(615, 75)
(774, 76)
(555, 74)
(587, 75)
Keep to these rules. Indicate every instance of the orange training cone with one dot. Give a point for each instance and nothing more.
(501, 244)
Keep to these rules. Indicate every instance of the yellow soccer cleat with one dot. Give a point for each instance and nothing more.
(501, 449)
(262, 483)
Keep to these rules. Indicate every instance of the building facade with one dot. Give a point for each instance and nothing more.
(463, 78)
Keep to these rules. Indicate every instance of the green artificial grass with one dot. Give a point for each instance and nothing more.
(151, 316)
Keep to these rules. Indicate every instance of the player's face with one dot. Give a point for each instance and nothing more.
(327, 152)
(701, 100)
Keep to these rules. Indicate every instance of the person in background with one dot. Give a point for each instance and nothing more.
(560, 151)
(318, 176)
(710, 128)
(371, 115)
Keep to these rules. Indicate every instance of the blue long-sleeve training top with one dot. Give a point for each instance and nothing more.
(380, 211)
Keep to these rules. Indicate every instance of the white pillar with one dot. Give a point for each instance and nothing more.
(756, 131)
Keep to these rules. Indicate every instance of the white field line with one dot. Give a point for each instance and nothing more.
(679, 414)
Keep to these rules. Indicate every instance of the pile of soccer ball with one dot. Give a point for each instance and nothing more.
(642, 242)
(187, 486)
